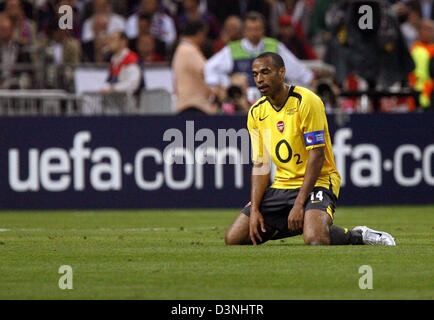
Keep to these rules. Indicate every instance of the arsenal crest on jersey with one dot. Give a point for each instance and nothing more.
(281, 126)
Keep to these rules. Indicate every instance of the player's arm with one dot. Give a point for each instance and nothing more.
(260, 179)
(313, 123)
(313, 170)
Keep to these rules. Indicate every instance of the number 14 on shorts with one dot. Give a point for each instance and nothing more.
(318, 195)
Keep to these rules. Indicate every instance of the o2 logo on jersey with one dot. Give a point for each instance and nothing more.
(281, 126)
(289, 156)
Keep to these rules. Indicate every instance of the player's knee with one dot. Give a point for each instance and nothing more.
(231, 238)
(316, 240)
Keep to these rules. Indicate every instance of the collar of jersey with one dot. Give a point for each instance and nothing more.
(286, 100)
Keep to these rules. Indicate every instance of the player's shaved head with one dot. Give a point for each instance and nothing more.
(277, 59)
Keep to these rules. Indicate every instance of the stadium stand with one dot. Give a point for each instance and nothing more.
(64, 68)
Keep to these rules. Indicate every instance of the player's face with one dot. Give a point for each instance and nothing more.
(268, 78)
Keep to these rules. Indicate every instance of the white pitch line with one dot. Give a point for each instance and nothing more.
(4, 230)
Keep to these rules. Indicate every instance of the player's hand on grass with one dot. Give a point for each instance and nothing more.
(296, 217)
(256, 221)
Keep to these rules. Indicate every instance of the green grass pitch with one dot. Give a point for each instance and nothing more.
(180, 254)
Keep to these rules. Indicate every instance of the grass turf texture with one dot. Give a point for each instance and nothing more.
(180, 254)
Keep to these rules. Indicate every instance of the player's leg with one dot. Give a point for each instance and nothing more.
(344, 236)
(318, 217)
(238, 232)
(317, 230)
(360, 235)
(316, 233)
(274, 209)
(316, 227)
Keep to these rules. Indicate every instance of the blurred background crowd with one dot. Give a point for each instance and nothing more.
(206, 47)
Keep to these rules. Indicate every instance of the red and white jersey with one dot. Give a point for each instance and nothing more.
(125, 73)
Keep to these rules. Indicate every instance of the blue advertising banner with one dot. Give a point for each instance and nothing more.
(199, 161)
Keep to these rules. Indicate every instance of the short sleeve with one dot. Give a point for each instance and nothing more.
(256, 139)
(313, 121)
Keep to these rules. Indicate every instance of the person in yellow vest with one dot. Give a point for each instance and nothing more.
(238, 56)
(422, 52)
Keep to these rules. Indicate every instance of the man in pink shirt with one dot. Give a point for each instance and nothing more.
(193, 95)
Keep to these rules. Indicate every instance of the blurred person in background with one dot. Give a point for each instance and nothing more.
(299, 10)
(232, 31)
(12, 53)
(193, 95)
(236, 100)
(162, 25)
(62, 47)
(24, 29)
(422, 52)
(170, 6)
(225, 8)
(80, 5)
(238, 56)
(193, 12)
(318, 31)
(379, 55)
(125, 74)
(277, 9)
(122, 7)
(144, 28)
(427, 7)
(146, 49)
(412, 13)
(115, 23)
(97, 50)
(296, 44)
